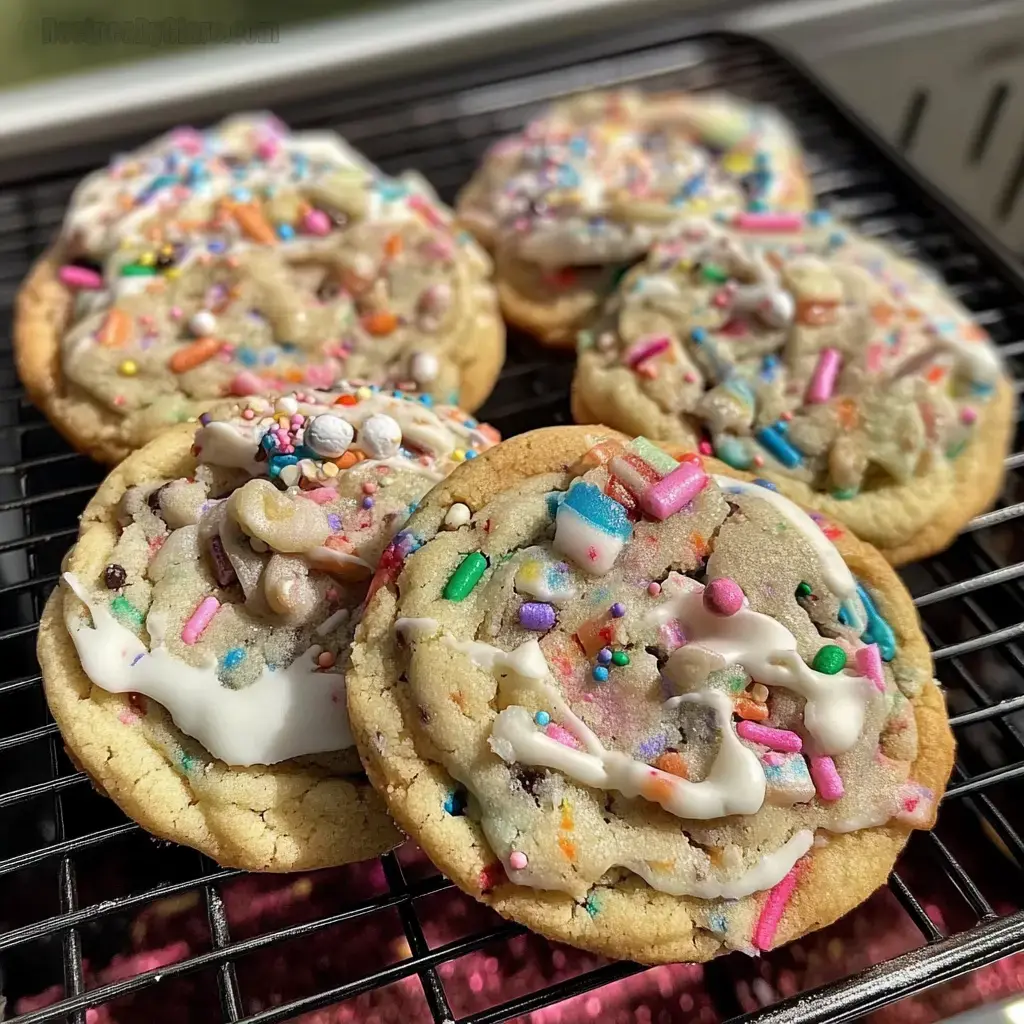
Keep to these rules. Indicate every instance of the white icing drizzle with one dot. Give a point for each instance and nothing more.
(416, 629)
(283, 714)
(231, 445)
(769, 870)
(979, 359)
(834, 570)
(835, 704)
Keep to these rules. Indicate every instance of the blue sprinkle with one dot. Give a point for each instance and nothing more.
(600, 674)
(733, 452)
(717, 922)
(761, 482)
(234, 657)
(542, 718)
(242, 195)
(553, 500)
(138, 658)
(817, 217)
(844, 617)
(285, 232)
(879, 631)
(578, 146)
(246, 356)
(470, 453)
(774, 442)
(427, 399)
(699, 335)
(217, 247)
(455, 803)
(769, 367)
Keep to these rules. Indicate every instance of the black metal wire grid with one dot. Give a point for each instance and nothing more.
(74, 873)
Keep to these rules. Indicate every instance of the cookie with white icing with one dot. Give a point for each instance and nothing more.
(248, 260)
(794, 348)
(194, 655)
(586, 188)
(642, 706)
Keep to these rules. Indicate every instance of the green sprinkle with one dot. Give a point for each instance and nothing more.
(584, 340)
(803, 590)
(620, 658)
(845, 493)
(137, 270)
(124, 610)
(187, 762)
(465, 578)
(956, 449)
(593, 905)
(653, 455)
(715, 274)
(830, 660)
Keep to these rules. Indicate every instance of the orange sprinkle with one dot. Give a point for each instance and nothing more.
(657, 789)
(293, 375)
(816, 314)
(346, 400)
(117, 329)
(935, 374)
(191, 356)
(567, 821)
(697, 542)
(883, 313)
(249, 217)
(601, 453)
(380, 324)
(568, 847)
(848, 413)
(672, 762)
(750, 710)
(349, 459)
(392, 246)
(458, 699)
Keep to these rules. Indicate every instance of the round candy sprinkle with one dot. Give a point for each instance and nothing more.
(620, 658)
(368, 502)
(380, 436)
(325, 659)
(203, 323)
(654, 588)
(517, 860)
(803, 590)
(114, 576)
(458, 515)
(618, 610)
(329, 435)
(536, 615)
(128, 368)
(829, 660)
(465, 577)
(600, 674)
(424, 367)
(542, 718)
(604, 656)
(723, 596)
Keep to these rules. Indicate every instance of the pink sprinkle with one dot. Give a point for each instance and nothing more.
(826, 779)
(321, 495)
(245, 383)
(723, 596)
(672, 492)
(775, 739)
(563, 736)
(644, 349)
(267, 148)
(196, 625)
(824, 379)
(517, 860)
(875, 356)
(80, 277)
(690, 377)
(672, 636)
(705, 448)
(426, 211)
(769, 221)
(869, 663)
(654, 588)
(968, 415)
(768, 923)
(248, 414)
(316, 222)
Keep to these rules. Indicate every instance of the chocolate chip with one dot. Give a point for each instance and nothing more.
(153, 499)
(114, 576)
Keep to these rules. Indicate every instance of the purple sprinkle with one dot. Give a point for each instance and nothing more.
(536, 615)
(618, 610)
(604, 655)
(367, 502)
(223, 570)
(652, 747)
(137, 659)
(205, 418)
(334, 521)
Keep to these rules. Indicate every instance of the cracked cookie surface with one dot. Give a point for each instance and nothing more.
(248, 260)
(194, 655)
(642, 706)
(797, 350)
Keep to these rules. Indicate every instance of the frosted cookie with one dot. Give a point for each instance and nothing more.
(194, 655)
(589, 186)
(644, 707)
(246, 260)
(796, 349)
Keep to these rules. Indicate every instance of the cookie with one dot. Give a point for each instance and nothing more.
(801, 352)
(644, 707)
(194, 654)
(593, 183)
(246, 260)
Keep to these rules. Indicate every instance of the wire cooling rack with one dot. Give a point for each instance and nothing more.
(99, 923)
